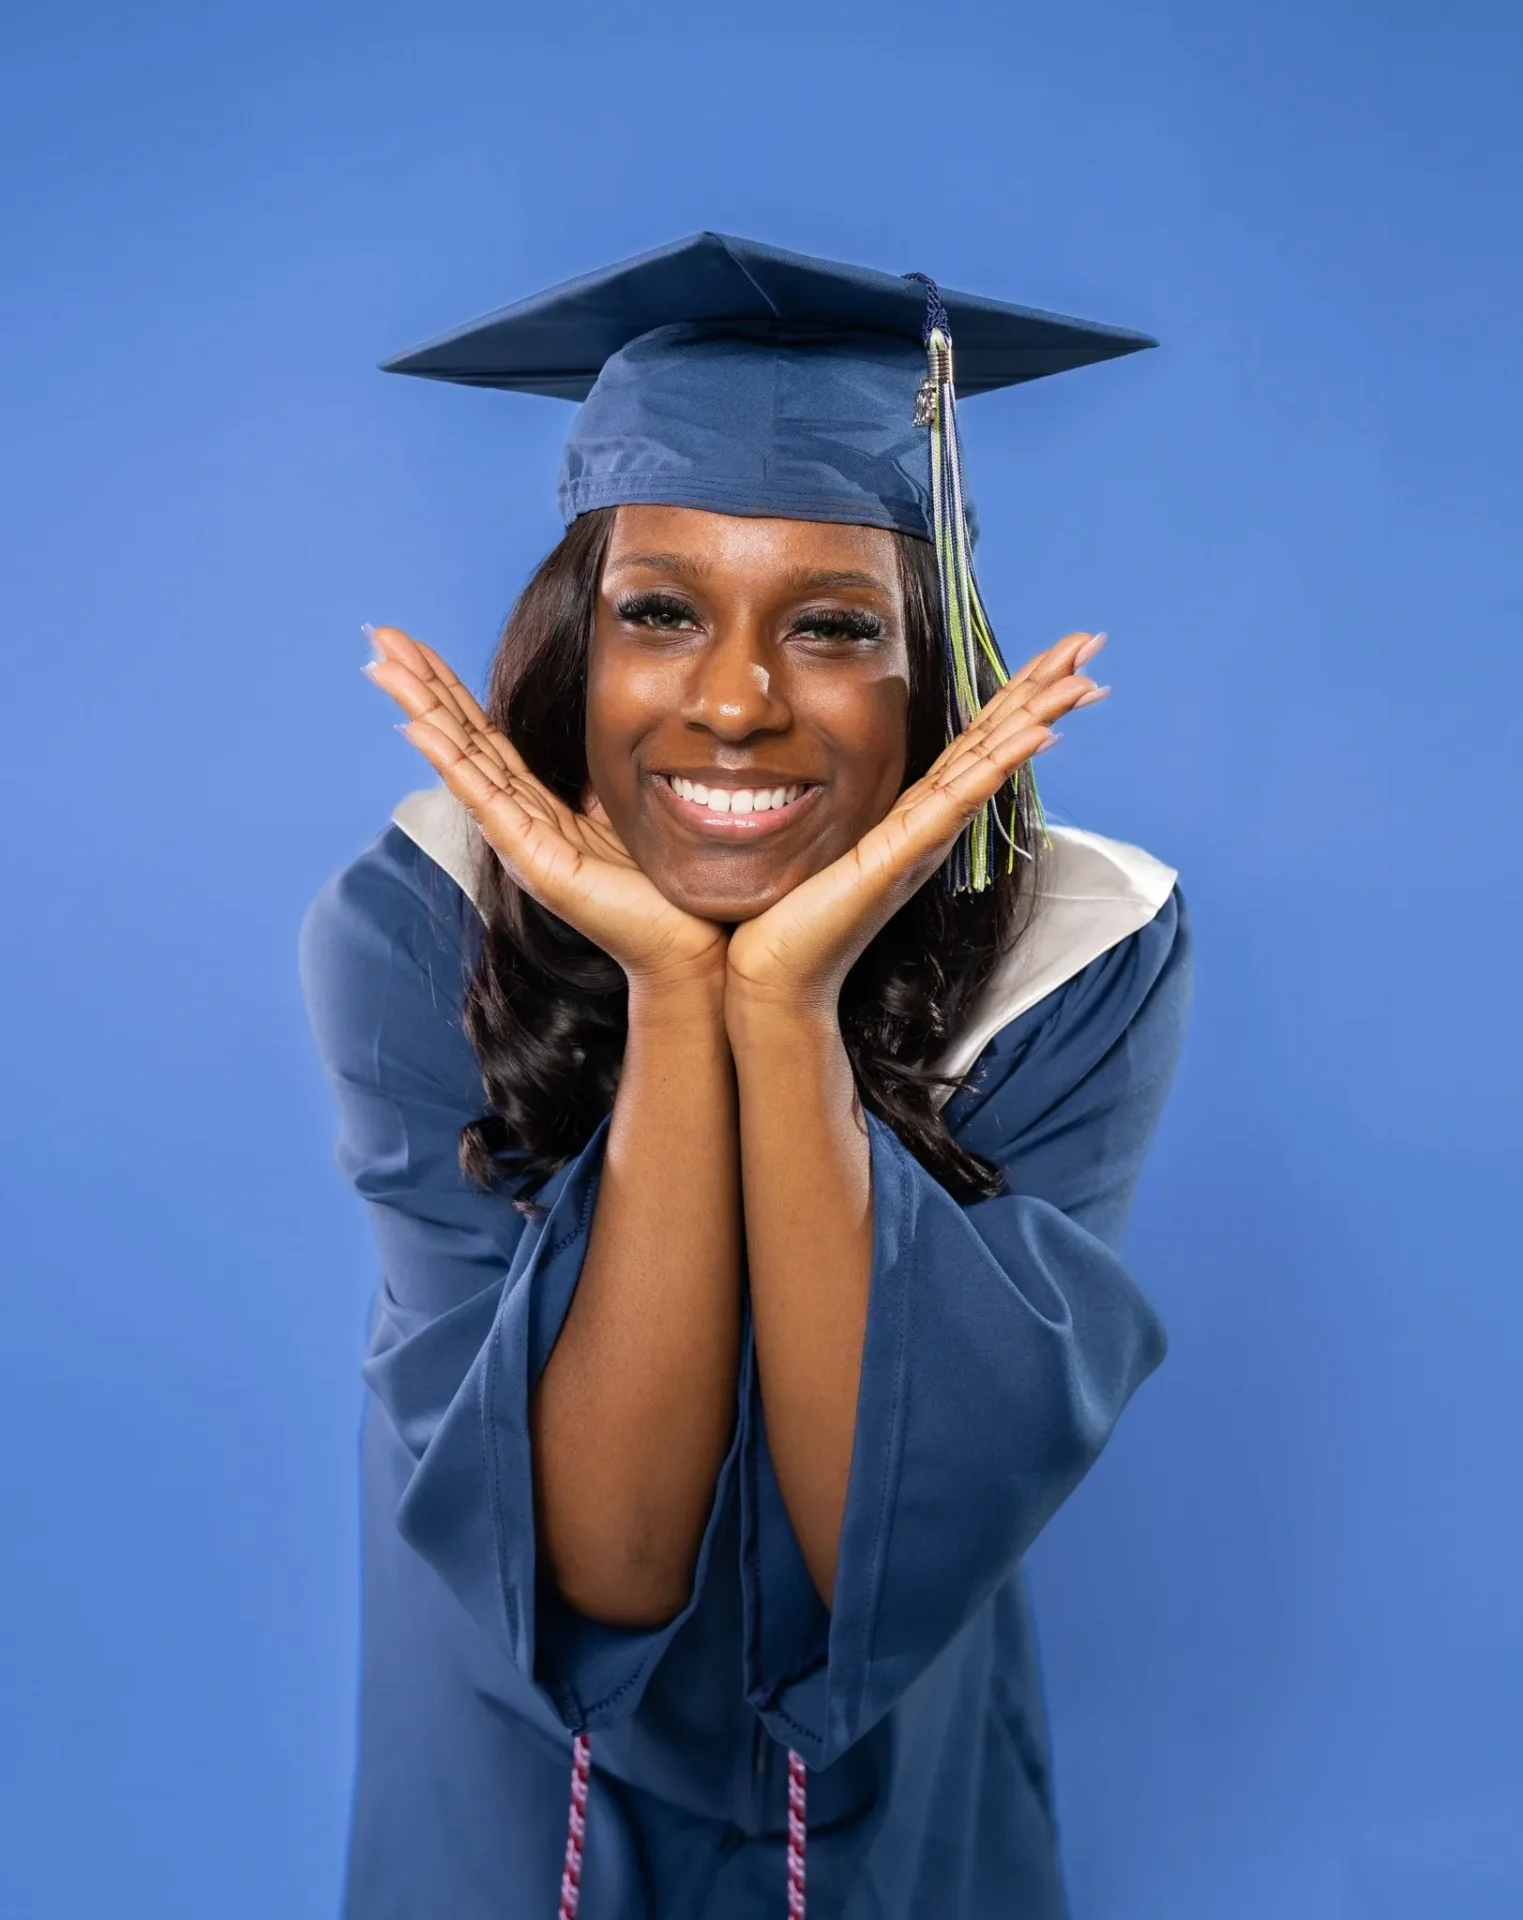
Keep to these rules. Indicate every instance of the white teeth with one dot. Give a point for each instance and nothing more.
(737, 799)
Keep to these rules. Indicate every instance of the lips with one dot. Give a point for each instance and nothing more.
(735, 812)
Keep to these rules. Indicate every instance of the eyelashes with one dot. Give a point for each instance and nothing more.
(840, 623)
(666, 613)
(663, 611)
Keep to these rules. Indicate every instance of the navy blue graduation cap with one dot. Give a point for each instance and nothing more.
(725, 375)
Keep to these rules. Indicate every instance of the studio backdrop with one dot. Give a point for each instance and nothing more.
(1280, 1619)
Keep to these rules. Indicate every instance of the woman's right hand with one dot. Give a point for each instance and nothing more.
(572, 863)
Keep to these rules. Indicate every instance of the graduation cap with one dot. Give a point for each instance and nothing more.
(738, 378)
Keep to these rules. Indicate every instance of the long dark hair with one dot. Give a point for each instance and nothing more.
(547, 1011)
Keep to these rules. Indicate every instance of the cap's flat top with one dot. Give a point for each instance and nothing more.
(556, 342)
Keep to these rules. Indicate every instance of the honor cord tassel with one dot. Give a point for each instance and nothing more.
(576, 1831)
(576, 1827)
(797, 1834)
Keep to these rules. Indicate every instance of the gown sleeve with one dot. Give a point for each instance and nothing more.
(1003, 1340)
(472, 1295)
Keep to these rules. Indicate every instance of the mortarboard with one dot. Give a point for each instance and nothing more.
(721, 374)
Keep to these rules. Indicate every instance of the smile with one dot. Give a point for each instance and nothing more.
(730, 812)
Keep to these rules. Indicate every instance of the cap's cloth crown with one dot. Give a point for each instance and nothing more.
(737, 417)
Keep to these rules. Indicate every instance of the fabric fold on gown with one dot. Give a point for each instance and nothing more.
(1003, 1341)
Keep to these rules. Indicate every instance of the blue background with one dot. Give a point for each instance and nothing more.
(1281, 1621)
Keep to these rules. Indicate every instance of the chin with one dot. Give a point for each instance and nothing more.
(727, 898)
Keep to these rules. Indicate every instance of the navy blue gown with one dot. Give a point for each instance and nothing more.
(1003, 1340)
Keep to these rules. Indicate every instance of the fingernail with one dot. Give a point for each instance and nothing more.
(1051, 741)
(1094, 694)
(402, 726)
(1090, 648)
(368, 631)
(368, 667)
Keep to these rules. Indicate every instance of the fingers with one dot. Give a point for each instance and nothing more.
(473, 784)
(480, 743)
(964, 784)
(395, 645)
(419, 699)
(980, 774)
(453, 689)
(906, 846)
(1070, 653)
(451, 744)
(1011, 708)
(1073, 651)
(509, 813)
(1010, 730)
(430, 670)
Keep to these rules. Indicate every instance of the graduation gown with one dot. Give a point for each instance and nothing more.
(1003, 1340)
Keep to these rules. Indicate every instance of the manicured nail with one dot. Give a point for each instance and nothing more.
(368, 667)
(1051, 741)
(1090, 648)
(401, 727)
(1094, 694)
(368, 631)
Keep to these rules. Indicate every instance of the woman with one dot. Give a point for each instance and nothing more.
(724, 1366)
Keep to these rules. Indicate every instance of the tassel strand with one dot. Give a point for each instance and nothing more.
(967, 635)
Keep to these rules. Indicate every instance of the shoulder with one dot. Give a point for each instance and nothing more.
(1095, 897)
(394, 896)
(384, 953)
(435, 823)
(1085, 1069)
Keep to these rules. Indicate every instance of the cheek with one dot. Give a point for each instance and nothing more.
(622, 705)
(868, 725)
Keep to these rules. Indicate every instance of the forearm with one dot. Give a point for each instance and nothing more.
(634, 1412)
(807, 1184)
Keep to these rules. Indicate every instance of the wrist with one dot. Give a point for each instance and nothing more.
(774, 1022)
(769, 988)
(690, 1002)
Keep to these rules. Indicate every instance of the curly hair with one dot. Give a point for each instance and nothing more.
(547, 1011)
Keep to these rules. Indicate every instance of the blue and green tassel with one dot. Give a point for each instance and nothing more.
(966, 633)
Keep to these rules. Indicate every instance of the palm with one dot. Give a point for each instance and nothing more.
(573, 863)
(808, 940)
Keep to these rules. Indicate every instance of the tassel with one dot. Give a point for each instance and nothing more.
(798, 1833)
(967, 636)
(576, 1828)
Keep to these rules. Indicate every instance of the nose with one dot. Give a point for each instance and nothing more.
(735, 689)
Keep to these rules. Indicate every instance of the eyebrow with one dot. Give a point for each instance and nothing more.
(811, 581)
(800, 579)
(682, 563)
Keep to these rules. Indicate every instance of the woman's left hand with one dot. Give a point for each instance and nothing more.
(795, 956)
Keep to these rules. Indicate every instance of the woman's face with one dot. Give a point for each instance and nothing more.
(747, 699)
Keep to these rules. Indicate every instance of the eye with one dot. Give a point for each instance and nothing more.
(839, 623)
(663, 612)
